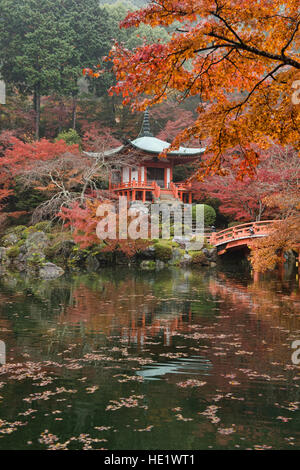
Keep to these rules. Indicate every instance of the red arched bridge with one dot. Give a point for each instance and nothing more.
(239, 236)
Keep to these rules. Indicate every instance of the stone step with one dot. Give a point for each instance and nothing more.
(167, 197)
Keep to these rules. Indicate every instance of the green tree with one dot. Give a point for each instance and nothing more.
(33, 45)
(90, 35)
(71, 137)
(131, 38)
(209, 215)
(44, 46)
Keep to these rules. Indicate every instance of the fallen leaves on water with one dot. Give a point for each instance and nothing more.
(191, 383)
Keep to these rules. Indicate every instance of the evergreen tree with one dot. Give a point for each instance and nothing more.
(44, 45)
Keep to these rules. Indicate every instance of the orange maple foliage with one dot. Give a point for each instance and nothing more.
(240, 57)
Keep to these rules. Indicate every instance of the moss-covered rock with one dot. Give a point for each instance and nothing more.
(43, 227)
(77, 258)
(177, 255)
(163, 251)
(13, 252)
(148, 265)
(16, 230)
(35, 259)
(198, 257)
(11, 239)
(60, 251)
(50, 271)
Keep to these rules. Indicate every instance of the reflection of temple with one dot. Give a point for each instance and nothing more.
(131, 309)
(152, 178)
(139, 333)
(134, 310)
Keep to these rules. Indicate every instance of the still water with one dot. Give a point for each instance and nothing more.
(175, 359)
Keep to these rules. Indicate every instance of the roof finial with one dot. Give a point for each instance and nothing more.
(145, 130)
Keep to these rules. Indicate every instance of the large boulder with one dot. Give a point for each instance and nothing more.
(213, 254)
(10, 239)
(177, 255)
(37, 242)
(50, 271)
(186, 259)
(147, 265)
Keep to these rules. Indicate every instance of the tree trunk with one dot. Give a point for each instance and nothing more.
(74, 112)
(37, 110)
(60, 115)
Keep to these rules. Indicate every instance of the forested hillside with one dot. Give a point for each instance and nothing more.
(43, 51)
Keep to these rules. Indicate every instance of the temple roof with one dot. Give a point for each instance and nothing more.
(150, 144)
(155, 145)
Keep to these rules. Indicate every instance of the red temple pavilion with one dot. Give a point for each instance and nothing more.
(152, 177)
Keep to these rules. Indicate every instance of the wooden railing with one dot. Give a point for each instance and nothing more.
(153, 186)
(133, 184)
(183, 186)
(248, 230)
(156, 191)
(174, 189)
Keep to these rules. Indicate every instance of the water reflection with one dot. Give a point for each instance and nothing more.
(195, 359)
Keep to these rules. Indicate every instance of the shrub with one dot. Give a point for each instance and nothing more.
(209, 214)
(163, 252)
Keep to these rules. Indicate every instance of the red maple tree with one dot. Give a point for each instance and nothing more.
(245, 199)
(19, 158)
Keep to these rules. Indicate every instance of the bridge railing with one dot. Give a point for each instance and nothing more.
(246, 230)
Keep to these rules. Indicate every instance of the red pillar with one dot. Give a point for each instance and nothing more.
(190, 198)
(133, 194)
(144, 196)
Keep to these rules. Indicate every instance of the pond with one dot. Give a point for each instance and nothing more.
(175, 359)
